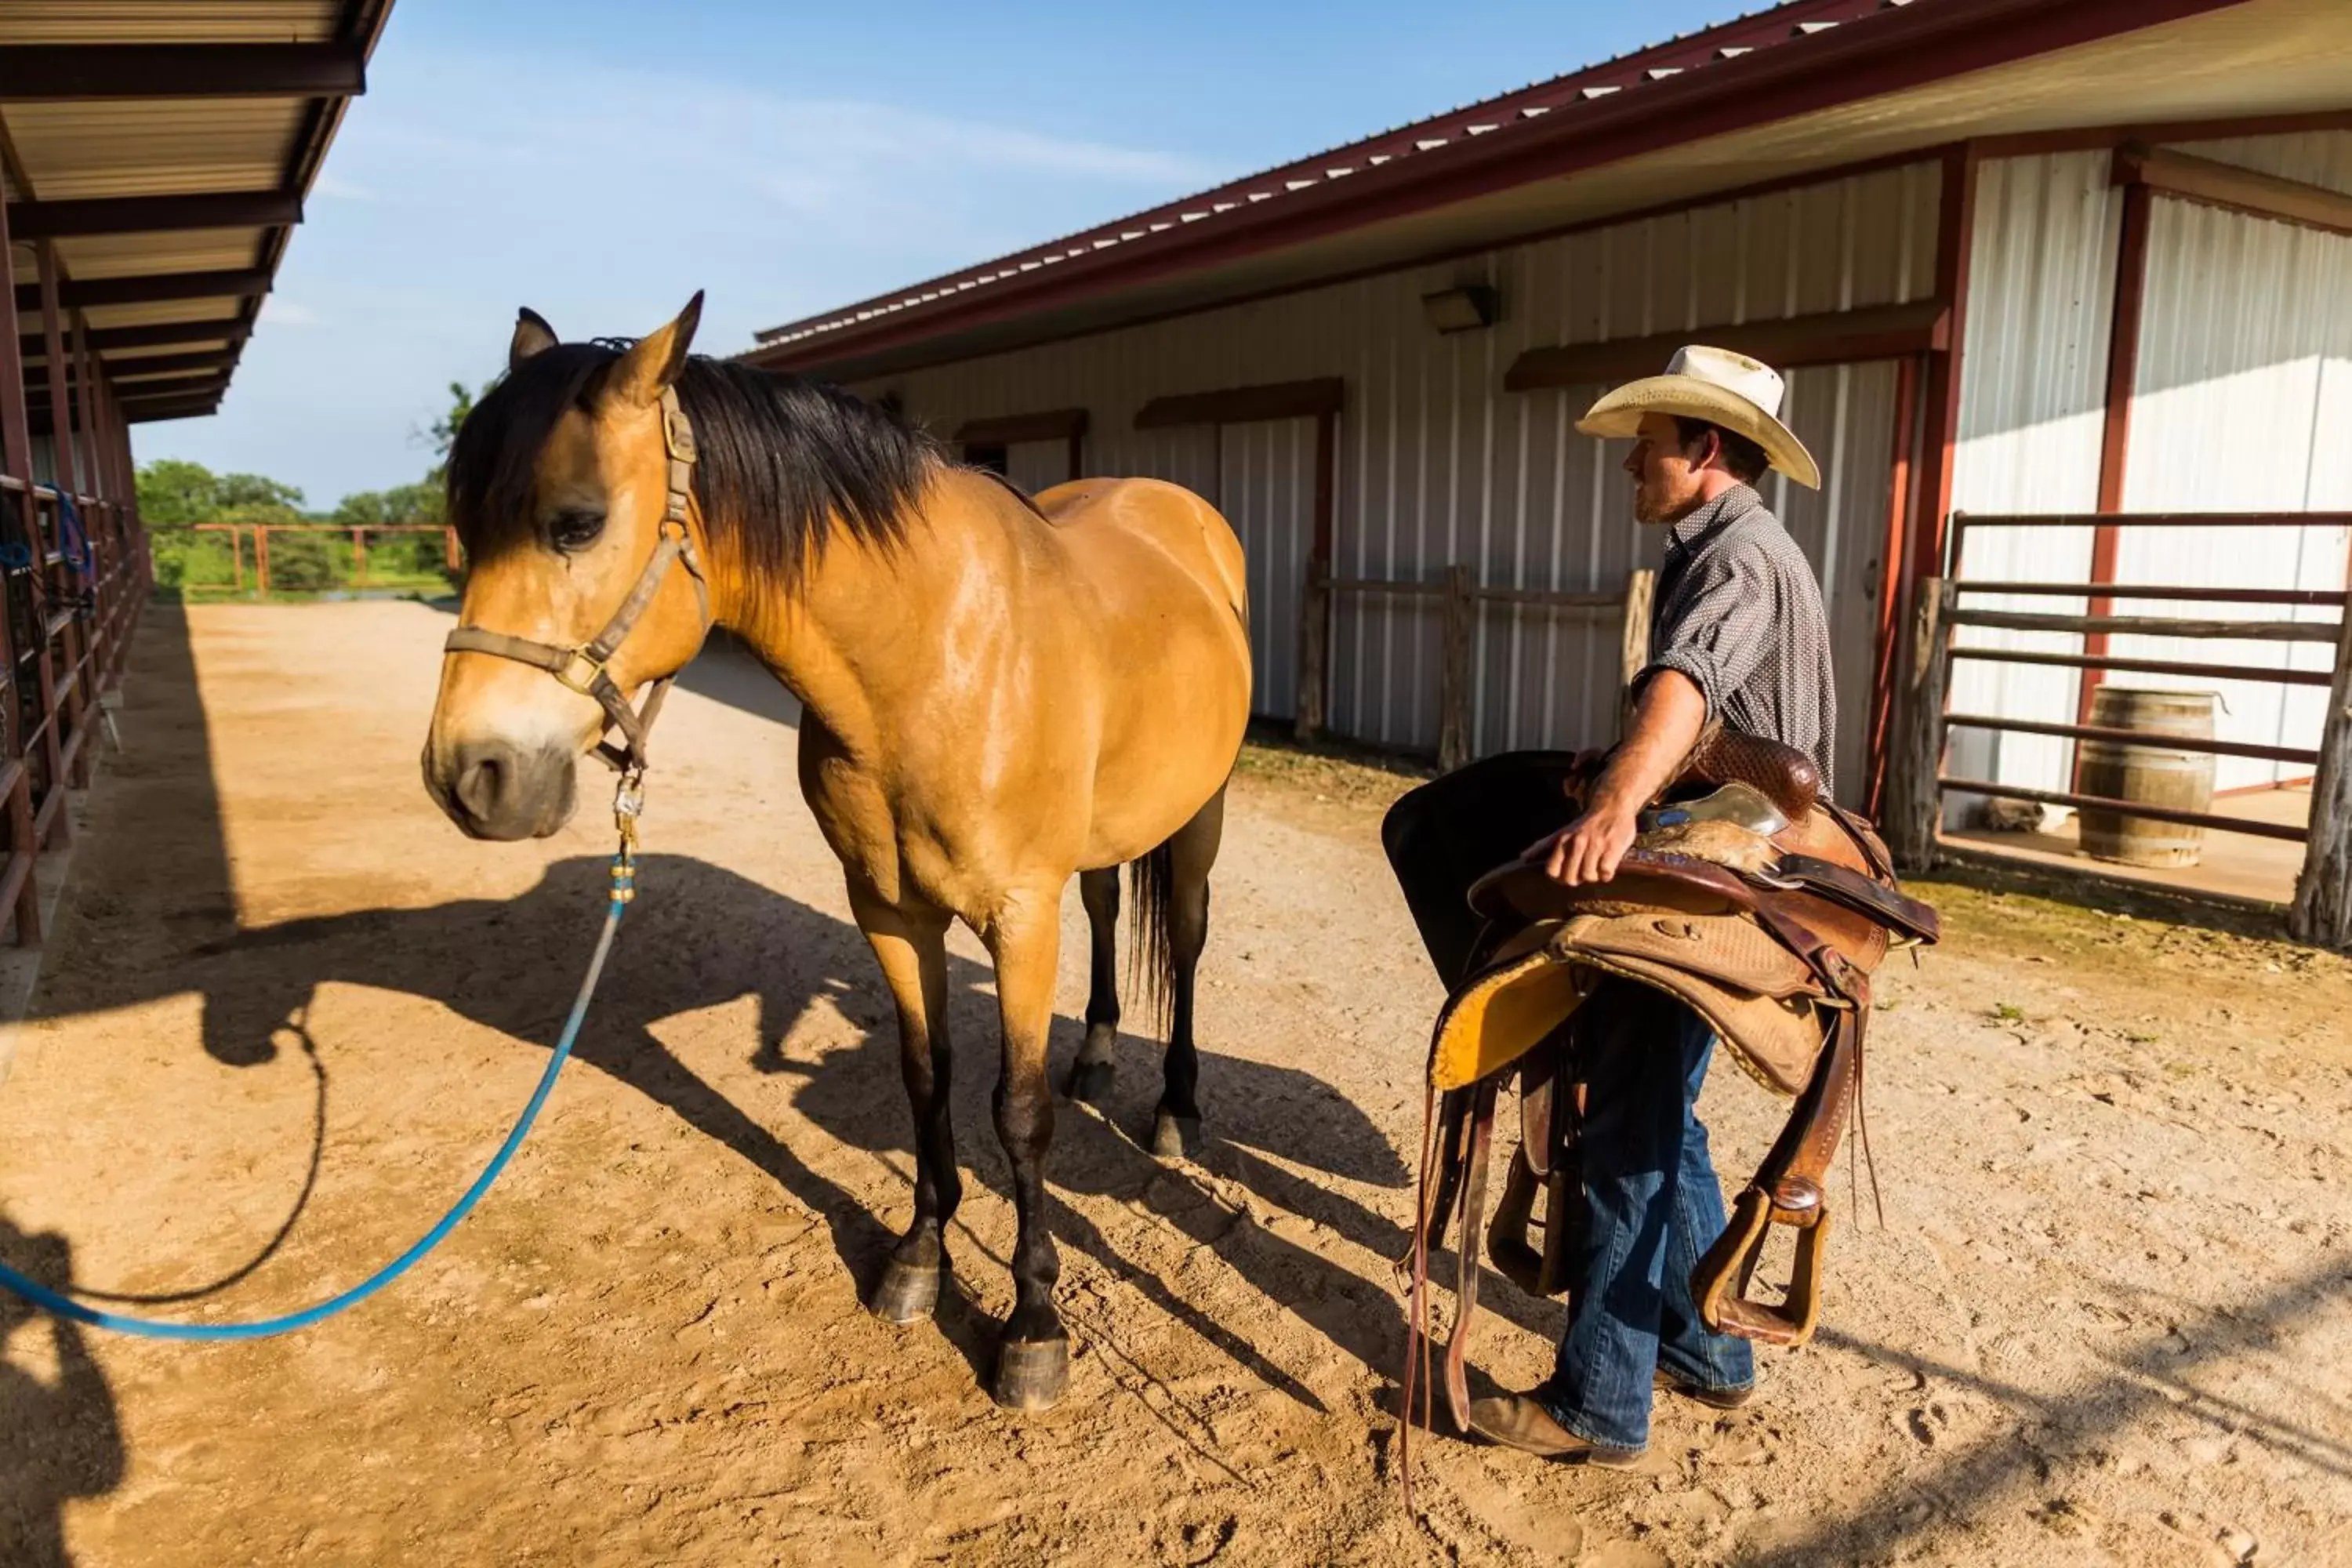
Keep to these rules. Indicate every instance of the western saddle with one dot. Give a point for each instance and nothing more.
(1747, 895)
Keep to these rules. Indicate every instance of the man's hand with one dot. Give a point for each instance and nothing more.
(1667, 717)
(1588, 849)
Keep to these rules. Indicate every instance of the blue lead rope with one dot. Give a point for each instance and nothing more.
(160, 1328)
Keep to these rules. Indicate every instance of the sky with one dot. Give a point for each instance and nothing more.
(600, 160)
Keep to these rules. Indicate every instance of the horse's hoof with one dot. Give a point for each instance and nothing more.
(906, 1293)
(1031, 1375)
(1090, 1081)
(1175, 1137)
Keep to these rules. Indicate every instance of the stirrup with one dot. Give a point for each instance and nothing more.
(1727, 1308)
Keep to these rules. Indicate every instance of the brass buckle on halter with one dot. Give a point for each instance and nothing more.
(576, 660)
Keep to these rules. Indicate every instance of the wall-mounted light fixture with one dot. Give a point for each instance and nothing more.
(1464, 310)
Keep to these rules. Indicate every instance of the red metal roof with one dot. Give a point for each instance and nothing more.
(1771, 65)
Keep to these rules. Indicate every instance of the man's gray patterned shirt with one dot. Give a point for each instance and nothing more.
(1739, 612)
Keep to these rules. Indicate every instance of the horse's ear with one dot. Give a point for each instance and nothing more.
(649, 367)
(531, 335)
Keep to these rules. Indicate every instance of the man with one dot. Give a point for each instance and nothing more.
(1739, 636)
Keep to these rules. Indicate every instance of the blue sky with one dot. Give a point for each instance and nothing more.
(600, 160)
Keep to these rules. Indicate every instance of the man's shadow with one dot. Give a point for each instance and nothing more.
(59, 1436)
(700, 936)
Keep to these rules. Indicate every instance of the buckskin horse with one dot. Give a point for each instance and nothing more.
(997, 693)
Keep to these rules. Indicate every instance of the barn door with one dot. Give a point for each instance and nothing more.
(1266, 489)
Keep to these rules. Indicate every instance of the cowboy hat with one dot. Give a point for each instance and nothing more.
(1724, 388)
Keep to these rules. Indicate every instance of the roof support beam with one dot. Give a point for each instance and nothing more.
(145, 413)
(1832, 337)
(153, 214)
(1243, 404)
(60, 71)
(1004, 429)
(201, 389)
(83, 293)
(130, 373)
(2234, 189)
(104, 340)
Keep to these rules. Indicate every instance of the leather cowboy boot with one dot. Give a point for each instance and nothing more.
(1520, 1421)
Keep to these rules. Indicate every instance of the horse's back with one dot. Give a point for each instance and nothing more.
(1193, 534)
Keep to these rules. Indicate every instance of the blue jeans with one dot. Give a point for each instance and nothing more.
(1655, 1207)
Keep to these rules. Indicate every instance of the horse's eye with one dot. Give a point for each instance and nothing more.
(574, 530)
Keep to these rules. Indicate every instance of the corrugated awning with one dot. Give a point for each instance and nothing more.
(163, 149)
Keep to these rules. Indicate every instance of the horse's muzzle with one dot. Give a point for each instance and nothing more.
(494, 790)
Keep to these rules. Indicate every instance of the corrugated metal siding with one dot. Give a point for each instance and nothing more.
(2034, 359)
(2243, 401)
(118, 147)
(1439, 465)
(1266, 487)
(1038, 464)
(86, 257)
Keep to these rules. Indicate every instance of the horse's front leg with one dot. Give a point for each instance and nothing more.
(911, 946)
(1033, 1362)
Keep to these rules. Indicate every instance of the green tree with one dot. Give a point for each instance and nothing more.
(418, 502)
(175, 493)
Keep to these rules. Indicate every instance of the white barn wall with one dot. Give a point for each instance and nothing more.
(1438, 463)
(2041, 273)
(2242, 403)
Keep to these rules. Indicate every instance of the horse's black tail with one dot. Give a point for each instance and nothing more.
(1151, 960)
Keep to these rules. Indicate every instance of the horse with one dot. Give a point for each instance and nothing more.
(998, 693)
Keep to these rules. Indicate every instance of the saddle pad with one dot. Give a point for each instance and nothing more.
(1729, 950)
(1503, 1012)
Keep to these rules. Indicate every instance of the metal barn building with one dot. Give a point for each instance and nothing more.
(2015, 258)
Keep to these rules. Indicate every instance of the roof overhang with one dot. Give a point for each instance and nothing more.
(1806, 87)
(161, 153)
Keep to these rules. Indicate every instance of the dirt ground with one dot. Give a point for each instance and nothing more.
(288, 1012)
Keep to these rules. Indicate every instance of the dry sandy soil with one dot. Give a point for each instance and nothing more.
(288, 1012)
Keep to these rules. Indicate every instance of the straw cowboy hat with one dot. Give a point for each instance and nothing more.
(1741, 395)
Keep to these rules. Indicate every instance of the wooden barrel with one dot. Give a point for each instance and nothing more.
(2150, 774)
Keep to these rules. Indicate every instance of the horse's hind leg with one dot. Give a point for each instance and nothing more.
(912, 948)
(1176, 1126)
(1090, 1075)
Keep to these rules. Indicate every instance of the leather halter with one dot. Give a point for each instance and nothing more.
(582, 666)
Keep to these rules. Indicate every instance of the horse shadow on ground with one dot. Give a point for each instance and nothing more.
(701, 936)
(60, 1438)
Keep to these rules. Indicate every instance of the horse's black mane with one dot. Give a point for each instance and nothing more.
(782, 461)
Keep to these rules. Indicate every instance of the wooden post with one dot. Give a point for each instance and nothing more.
(1314, 651)
(2322, 914)
(1633, 640)
(359, 557)
(449, 546)
(1914, 802)
(237, 557)
(16, 460)
(261, 560)
(1454, 682)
